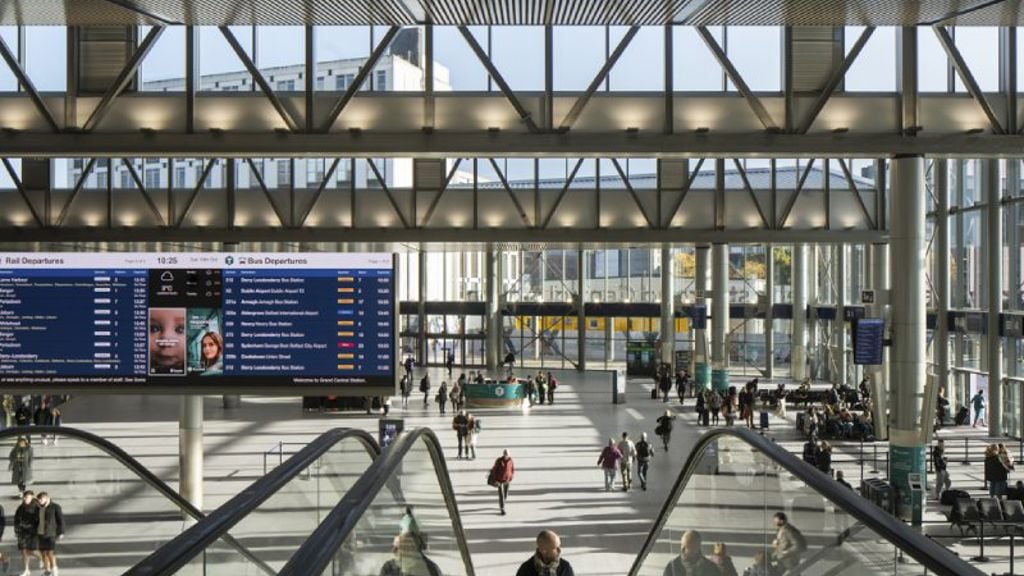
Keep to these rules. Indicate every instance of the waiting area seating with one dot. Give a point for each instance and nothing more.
(1004, 517)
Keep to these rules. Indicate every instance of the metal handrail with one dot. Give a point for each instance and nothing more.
(127, 461)
(929, 554)
(172, 556)
(317, 552)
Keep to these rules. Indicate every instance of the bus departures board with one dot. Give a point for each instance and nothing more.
(203, 322)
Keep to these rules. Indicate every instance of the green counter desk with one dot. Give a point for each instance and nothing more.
(493, 394)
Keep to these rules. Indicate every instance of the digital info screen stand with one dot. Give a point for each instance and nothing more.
(198, 323)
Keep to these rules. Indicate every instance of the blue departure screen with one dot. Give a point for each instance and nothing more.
(192, 319)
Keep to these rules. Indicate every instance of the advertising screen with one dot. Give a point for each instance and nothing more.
(182, 322)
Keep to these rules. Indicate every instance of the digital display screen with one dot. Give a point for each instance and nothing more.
(180, 321)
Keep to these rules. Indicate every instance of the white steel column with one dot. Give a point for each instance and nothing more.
(190, 450)
(880, 374)
(769, 311)
(798, 344)
(702, 368)
(989, 186)
(668, 307)
(940, 176)
(495, 340)
(581, 311)
(908, 360)
(841, 262)
(720, 316)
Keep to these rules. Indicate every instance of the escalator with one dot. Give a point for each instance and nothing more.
(271, 518)
(401, 517)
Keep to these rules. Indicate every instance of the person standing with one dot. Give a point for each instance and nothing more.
(940, 463)
(442, 396)
(552, 384)
(609, 462)
(789, 542)
(26, 525)
(691, 560)
(628, 451)
(20, 463)
(455, 395)
(715, 406)
(461, 426)
(425, 389)
(408, 366)
(644, 455)
(502, 473)
(978, 402)
(406, 389)
(50, 529)
(823, 458)
(664, 428)
(842, 481)
(542, 387)
(665, 384)
(547, 560)
(449, 362)
(473, 431)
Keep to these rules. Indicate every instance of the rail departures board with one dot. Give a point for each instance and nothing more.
(270, 323)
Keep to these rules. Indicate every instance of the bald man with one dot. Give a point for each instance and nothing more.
(547, 561)
(691, 561)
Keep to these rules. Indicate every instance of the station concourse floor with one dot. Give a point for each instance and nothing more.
(557, 486)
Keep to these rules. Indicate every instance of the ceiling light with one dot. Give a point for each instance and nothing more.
(975, 130)
(632, 130)
(702, 130)
(493, 129)
(841, 130)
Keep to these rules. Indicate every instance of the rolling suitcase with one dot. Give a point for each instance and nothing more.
(764, 420)
(654, 393)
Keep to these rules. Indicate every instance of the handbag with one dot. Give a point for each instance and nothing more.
(491, 481)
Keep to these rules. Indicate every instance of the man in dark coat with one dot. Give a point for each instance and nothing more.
(691, 561)
(49, 530)
(547, 560)
(26, 524)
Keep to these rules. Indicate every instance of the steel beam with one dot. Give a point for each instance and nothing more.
(968, 78)
(632, 192)
(444, 188)
(581, 103)
(259, 80)
(750, 192)
(508, 190)
(561, 193)
(74, 192)
(141, 186)
(21, 191)
(27, 85)
(837, 77)
(737, 80)
(266, 193)
(361, 75)
(387, 192)
(856, 191)
(131, 67)
(682, 196)
(492, 70)
(195, 191)
(319, 191)
(796, 194)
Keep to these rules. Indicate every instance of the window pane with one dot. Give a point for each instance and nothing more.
(8, 83)
(578, 55)
(756, 51)
(518, 53)
(163, 70)
(454, 53)
(45, 63)
(979, 47)
(932, 63)
(220, 70)
(694, 67)
(874, 70)
(641, 66)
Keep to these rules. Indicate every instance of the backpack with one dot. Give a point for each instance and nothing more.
(801, 541)
(476, 424)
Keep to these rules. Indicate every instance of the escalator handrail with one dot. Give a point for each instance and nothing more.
(174, 555)
(931, 555)
(127, 461)
(316, 553)
(115, 452)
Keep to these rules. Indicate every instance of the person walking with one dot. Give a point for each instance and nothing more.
(26, 526)
(628, 451)
(425, 389)
(50, 529)
(542, 387)
(547, 559)
(449, 362)
(720, 558)
(681, 386)
(789, 542)
(664, 428)
(502, 473)
(552, 384)
(644, 455)
(978, 403)
(406, 385)
(20, 463)
(665, 384)
(461, 426)
(609, 462)
(823, 458)
(455, 396)
(442, 396)
(996, 472)
(747, 397)
(408, 366)
(940, 463)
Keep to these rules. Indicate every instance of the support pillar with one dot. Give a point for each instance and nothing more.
(702, 368)
(769, 312)
(668, 308)
(988, 172)
(228, 401)
(880, 375)
(190, 450)
(940, 344)
(720, 316)
(495, 339)
(581, 312)
(841, 263)
(908, 361)
(421, 309)
(798, 345)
